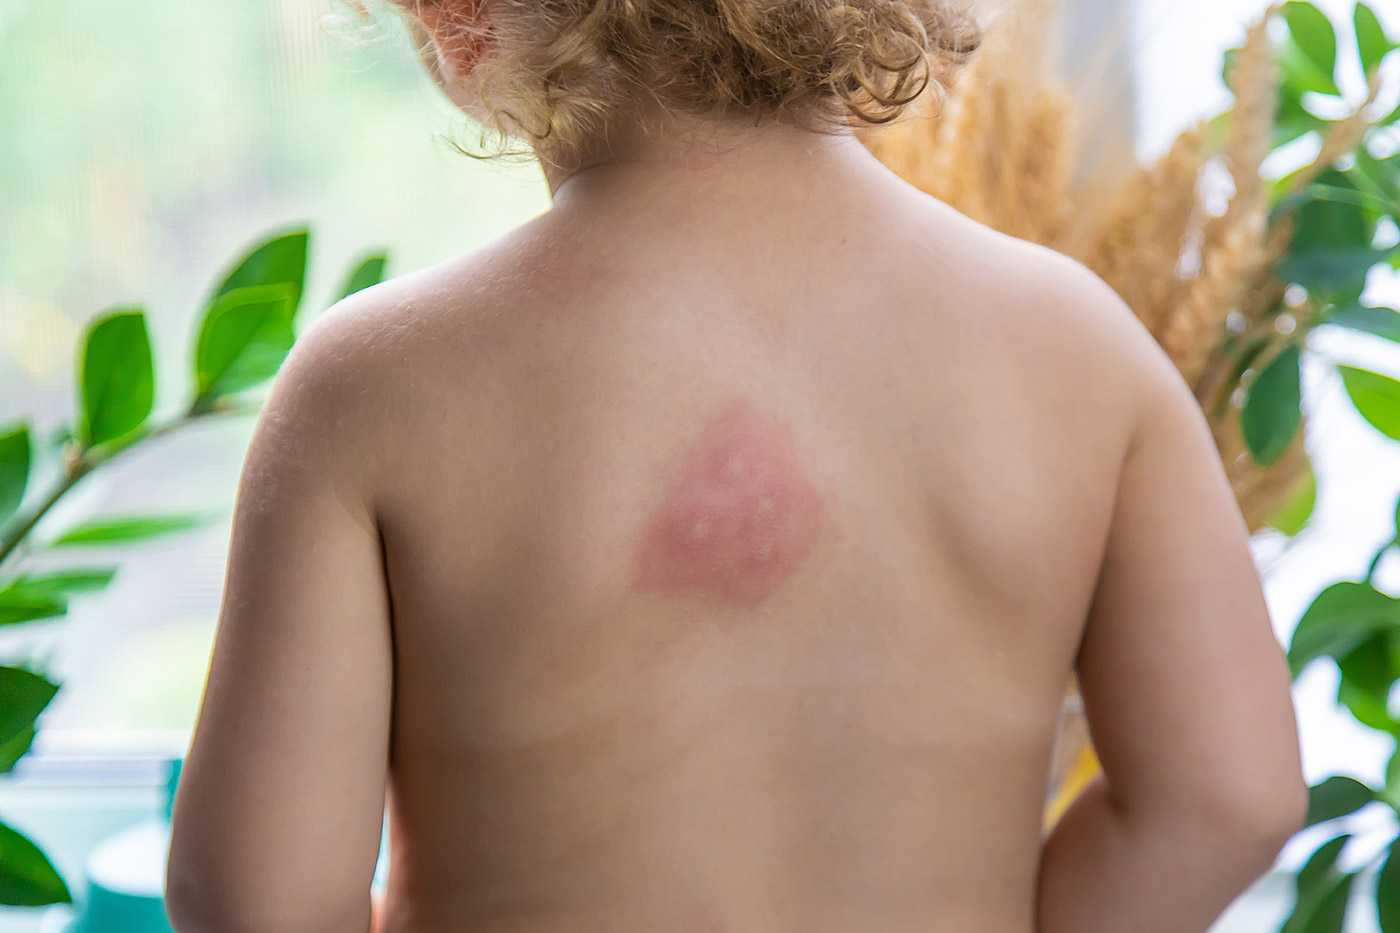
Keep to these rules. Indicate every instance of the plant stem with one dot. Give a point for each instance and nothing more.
(80, 463)
(76, 470)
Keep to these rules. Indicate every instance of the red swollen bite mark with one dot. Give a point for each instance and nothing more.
(739, 518)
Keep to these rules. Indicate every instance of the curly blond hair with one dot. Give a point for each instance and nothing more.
(552, 71)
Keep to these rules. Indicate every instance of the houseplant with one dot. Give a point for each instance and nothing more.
(1232, 253)
(244, 332)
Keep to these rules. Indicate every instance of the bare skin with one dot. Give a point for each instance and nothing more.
(780, 553)
(764, 632)
(742, 521)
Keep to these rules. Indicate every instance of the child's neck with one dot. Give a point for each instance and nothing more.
(686, 151)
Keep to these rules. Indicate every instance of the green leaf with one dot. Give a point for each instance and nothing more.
(119, 530)
(1311, 32)
(243, 339)
(1320, 864)
(27, 877)
(1378, 180)
(1376, 397)
(16, 748)
(1384, 170)
(15, 454)
(1242, 359)
(70, 580)
(1291, 118)
(1332, 211)
(1332, 184)
(1371, 709)
(118, 377)
(1271, 413)
(1368, 665)
(1293, 515)
(21, 604)
(1341, 617)
(369, 272)
(1344, 193)
(1371, 40)
(23, 696)
(1301, 75)
(1332, 269)
(29, 597)
(1322, 892)
(1388, 892)
(278, 261)
(1326, 909)
(1381, 321)
(1337, 796)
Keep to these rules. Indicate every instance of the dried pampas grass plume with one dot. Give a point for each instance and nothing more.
(1136, 242)
(1203, 282)
(998, 147)
(1003, 147)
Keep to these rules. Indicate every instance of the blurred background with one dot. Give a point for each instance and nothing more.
(145, 146)
(144, 152)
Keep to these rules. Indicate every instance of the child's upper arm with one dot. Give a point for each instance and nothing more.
(1185, 688)
(279, 814)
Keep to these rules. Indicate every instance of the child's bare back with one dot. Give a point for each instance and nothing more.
(712, 553)
(739, 561)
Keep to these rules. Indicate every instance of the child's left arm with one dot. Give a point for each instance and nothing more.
(279, 810)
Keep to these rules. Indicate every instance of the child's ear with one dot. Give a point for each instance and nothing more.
(455, 30)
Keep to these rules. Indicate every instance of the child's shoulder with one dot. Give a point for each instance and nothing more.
(1048, 308)
(390, 322)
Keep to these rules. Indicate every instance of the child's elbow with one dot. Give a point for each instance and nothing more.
(1263, 815)
(1287, 813)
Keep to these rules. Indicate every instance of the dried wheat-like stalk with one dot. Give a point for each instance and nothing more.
(999, 150)
(1197, 325)
(1136, 245)
(1002, 152)
(956, 172)
(1233, 264)
(1255, 81)
(1042, 169)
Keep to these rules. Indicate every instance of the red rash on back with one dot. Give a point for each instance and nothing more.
(739, 517)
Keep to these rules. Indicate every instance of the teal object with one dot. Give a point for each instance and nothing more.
(125, 876)
(126, 883)
(170, 782)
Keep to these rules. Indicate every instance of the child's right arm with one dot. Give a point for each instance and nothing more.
(1186, 692)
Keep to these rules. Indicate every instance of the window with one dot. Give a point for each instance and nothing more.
(151, 144)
